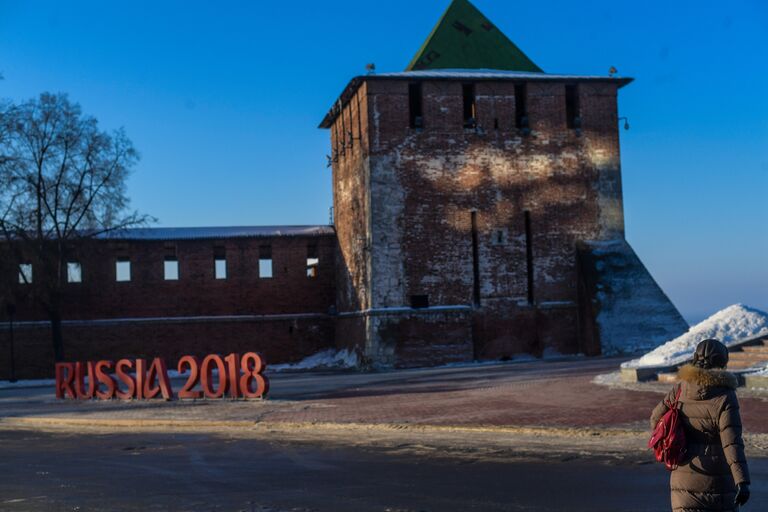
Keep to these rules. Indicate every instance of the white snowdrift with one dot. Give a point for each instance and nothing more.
(326, 359)
(29, 383)
(730, 325)
(608, 379)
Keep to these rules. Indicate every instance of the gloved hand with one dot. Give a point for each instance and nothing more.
(742, 494)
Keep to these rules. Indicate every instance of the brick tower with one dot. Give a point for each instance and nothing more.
(478, 209)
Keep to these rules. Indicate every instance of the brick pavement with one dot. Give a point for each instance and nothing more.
(563, 401)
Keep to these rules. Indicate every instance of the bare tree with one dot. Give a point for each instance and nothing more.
(62, 182)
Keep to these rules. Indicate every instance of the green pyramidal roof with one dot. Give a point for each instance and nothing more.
(465, 39)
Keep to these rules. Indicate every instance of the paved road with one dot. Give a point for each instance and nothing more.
(55, 472)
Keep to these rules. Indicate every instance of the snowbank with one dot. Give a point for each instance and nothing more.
(730, 325)
(330, 358)
(29, 383)
(608, 379)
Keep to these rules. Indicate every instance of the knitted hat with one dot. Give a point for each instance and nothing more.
(710, 354)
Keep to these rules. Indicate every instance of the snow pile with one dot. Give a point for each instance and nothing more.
(29, 383)
(607, 379)
(330, 358)
(730, 325)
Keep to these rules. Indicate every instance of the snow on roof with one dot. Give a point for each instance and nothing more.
(489, 74)
(195, 233)
(730, 325)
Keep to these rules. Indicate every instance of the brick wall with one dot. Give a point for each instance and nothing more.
(196, 292)
(351, 201)
(404, 200)
(425, 183)
(278, 340)
(286, 316)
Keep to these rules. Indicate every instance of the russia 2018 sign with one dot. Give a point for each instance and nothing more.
(127, 379)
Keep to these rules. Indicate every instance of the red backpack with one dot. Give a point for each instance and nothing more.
(668, 438)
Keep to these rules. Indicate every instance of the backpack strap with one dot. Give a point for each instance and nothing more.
(674, 405)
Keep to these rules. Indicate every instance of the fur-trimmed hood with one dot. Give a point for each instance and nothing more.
(703, 378)
(714, 459)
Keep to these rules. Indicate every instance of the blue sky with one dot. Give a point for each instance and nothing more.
(223, 100)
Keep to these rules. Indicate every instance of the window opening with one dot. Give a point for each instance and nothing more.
(74, 272)
(220, 262)
(312, 261)
(572, 117)
(475, 263)
(529, 255)
(415, 113)
(359, 120)
(350, 130)
(25, 273)
(343, 132)
(265, 261)
(171, 268)
(170, 263)
(336, 141)
(470, 115)
(123, 270)
(521, 106)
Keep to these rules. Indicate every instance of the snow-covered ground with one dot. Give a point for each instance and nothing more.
(608, 379)
(330, 358)
(730, 325)
(28, 383)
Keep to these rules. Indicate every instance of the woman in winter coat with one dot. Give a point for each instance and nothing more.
(713, 475)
